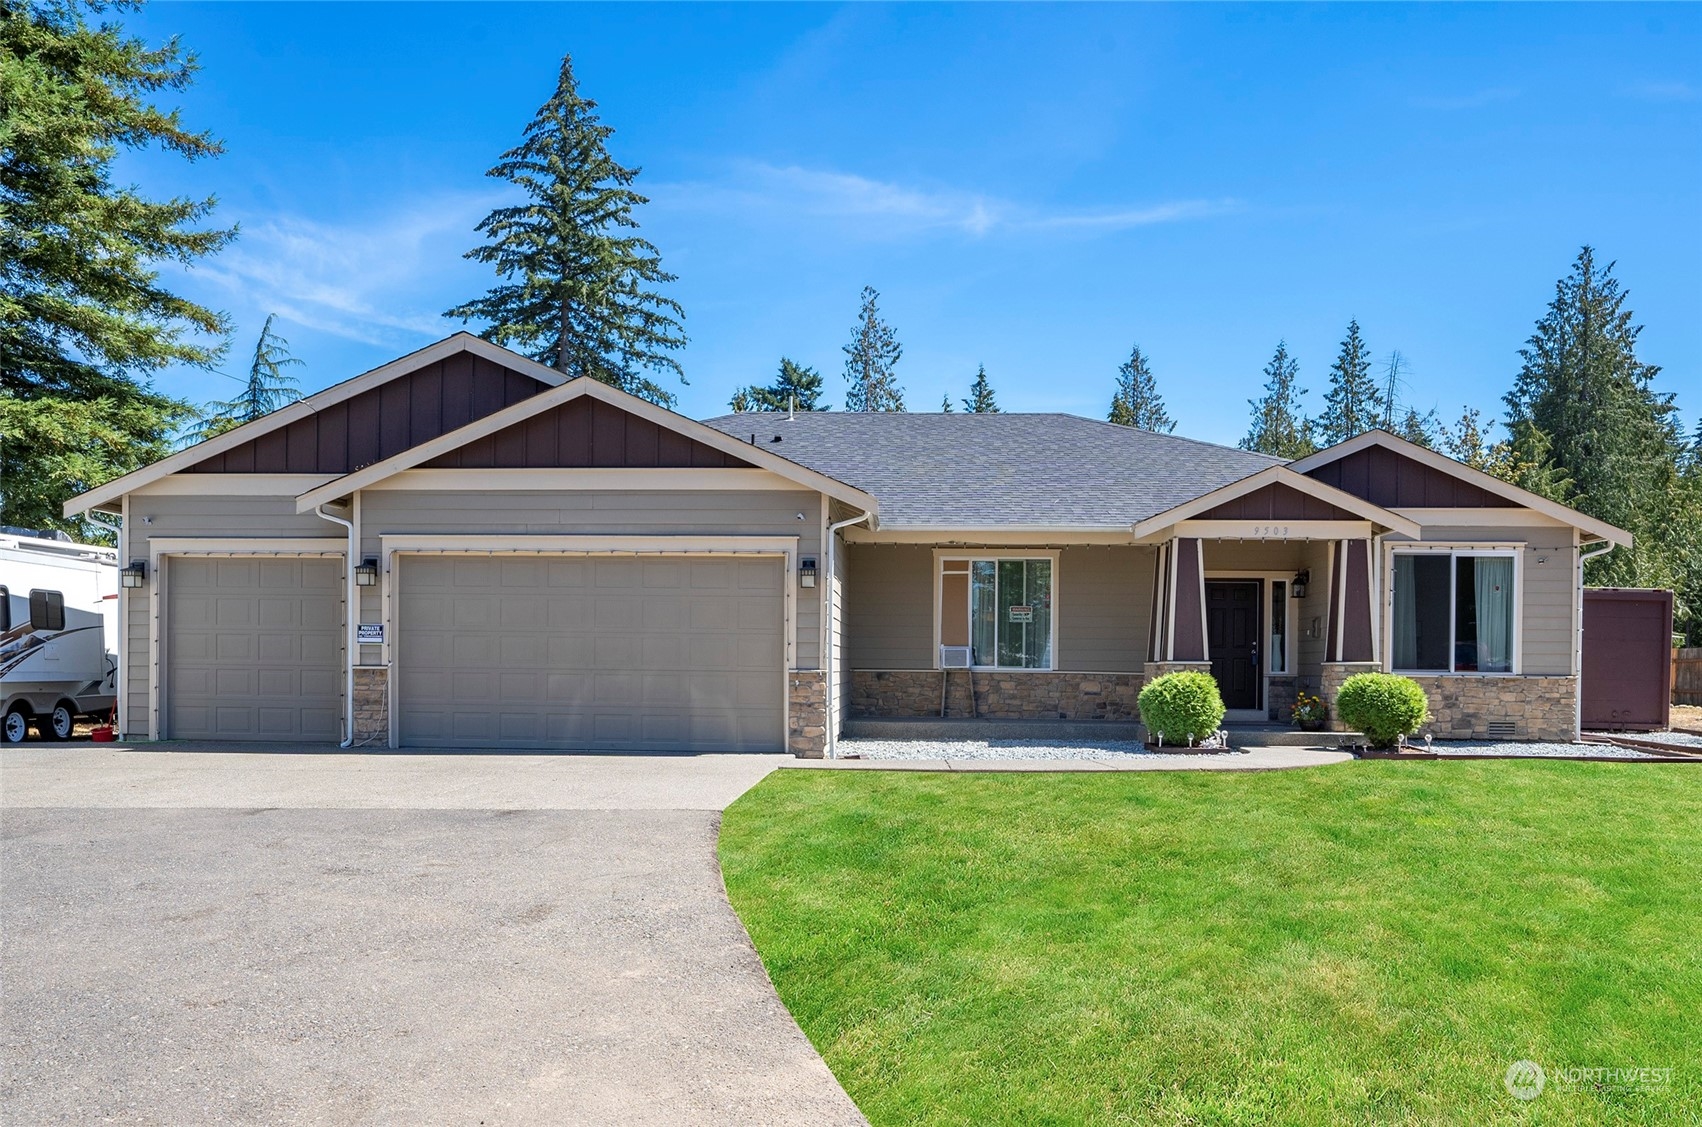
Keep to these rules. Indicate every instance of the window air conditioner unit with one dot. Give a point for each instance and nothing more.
(954, 657)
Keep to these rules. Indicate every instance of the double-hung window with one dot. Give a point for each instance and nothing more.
(1454, 612)
(1001, 607)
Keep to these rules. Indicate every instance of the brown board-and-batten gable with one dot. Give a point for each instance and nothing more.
(1392, 480)
(1277, 501)
(584, 433)
(382, 421)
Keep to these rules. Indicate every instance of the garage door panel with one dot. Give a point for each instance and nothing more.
(617, 654)
(253, 648)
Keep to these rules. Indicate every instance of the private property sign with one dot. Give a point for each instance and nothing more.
(1022, 614)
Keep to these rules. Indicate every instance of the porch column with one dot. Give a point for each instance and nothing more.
(1188, 600)
(1350, 637)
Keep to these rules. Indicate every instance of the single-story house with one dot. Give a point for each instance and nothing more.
(463, 549)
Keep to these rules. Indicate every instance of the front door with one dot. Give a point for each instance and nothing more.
(1232, 634)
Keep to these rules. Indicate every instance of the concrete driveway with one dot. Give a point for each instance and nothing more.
(284, 936)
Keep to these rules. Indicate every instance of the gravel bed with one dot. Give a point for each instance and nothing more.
(1676, 739)
(1004, 749)
(1530, 750)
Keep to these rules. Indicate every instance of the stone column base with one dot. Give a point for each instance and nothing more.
(1160, 668)
(372, 705)
(807, 709)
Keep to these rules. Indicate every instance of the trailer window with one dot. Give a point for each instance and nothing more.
(47, 610)
(5, 608)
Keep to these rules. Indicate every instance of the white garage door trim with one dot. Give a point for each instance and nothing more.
(785, 548)
(160, 551)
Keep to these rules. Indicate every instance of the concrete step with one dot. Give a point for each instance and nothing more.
(1281, 735)
(955, 728)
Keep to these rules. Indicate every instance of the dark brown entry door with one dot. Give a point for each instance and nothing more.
(1232, 632)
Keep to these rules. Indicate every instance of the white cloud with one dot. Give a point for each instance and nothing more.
(376, 280)
(885, 207)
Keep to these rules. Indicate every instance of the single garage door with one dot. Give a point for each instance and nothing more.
(603, 653)
(254, 648)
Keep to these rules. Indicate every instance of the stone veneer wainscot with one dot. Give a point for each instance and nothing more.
(999, 694)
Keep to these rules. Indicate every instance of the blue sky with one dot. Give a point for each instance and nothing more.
(1030, 188)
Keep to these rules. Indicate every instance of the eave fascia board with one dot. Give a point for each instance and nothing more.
(1565, 514)
(1277, 475)
(449, 346)
(565, 393)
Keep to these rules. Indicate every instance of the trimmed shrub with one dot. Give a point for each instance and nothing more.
(1384, 706)
(1179, 705)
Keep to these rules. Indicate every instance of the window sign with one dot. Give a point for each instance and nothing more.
(1022, 614)
(369, 634)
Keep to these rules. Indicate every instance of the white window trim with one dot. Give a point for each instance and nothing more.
(1387, 618)
(943, 555)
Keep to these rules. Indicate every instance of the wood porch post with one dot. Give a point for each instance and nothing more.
(1188, 601)
(1350, 637)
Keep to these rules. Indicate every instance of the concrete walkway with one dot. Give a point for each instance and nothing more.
(1249, 759)
(291, 937)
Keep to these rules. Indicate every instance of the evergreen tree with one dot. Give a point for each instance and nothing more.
(1583, 387)
(980, 401)
(796, 388)
(945, 405)
(84, 316)
(1280, 426)
(577, 291)
(1423, 430)
(870, 360)
(1353, 403)
(269, 387)
(1468, 442)
(1136, 402)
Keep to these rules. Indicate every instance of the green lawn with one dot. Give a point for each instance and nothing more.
(1367, 943)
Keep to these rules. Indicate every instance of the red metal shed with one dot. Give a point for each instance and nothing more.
(1627, 659)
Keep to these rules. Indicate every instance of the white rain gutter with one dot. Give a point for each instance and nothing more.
(350, 616)
(827, 658)
(1578, 643)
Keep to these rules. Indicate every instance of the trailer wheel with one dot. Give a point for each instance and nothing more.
(61, 722)
(16, 728)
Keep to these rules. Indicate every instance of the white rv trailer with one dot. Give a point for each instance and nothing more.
(58, 633)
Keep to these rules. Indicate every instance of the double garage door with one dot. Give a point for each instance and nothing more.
(616, 653)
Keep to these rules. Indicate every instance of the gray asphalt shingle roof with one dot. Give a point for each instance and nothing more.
(988, 471)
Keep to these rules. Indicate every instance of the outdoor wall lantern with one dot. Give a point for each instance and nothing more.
(807, 572)
(366, 575)
(136, 575)
(1298, 587)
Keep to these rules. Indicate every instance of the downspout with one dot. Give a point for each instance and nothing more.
(827, 658)
(350, 616)
(1578, 643)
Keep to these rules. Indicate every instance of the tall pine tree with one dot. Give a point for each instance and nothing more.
(1584, 389)
(1353, 403)
(85, 318)
(269, 387)
(1280, 426)
(578, 291)
(980, 401)
(796, 388)
(871, 359)
(1136, 402)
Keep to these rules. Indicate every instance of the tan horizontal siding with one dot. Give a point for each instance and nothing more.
(1104, 604)
(889, 606)
(606, 512)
